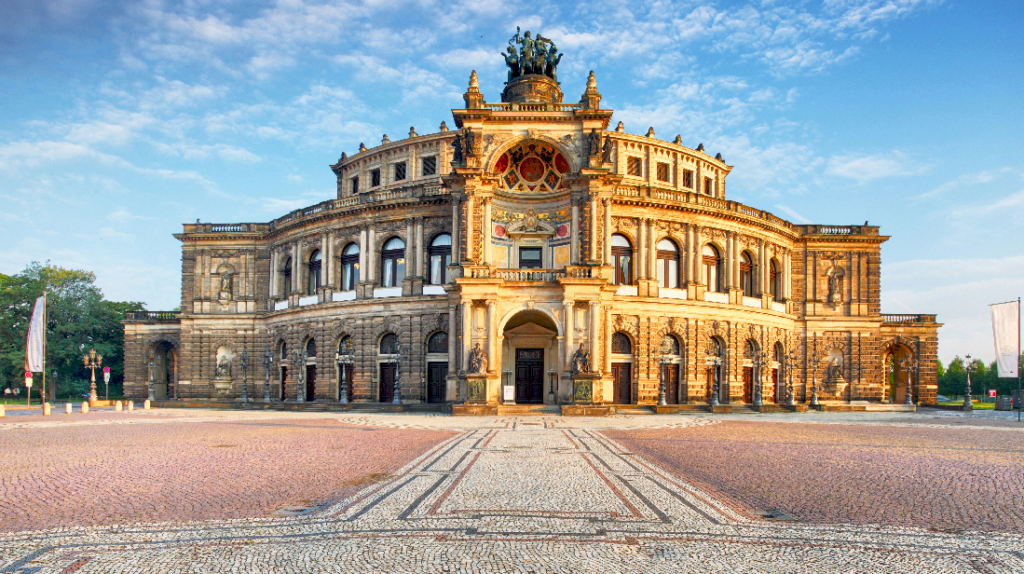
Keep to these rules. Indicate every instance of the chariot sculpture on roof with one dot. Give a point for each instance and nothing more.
(535, 56)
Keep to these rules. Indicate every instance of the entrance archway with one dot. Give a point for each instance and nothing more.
(165, 368)
(896, 381)
(529, 357)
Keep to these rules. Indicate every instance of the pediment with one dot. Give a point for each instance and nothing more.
(530, 330)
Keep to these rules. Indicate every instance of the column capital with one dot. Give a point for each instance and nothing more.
(453, 308)
(491, 302)
(594, 303)
(568, 303)
(419, 220)
(607, 201)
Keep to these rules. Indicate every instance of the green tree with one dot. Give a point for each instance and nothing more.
(78, 319)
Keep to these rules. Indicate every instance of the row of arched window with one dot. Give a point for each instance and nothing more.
(436, 343)
(669, 272)
(392, 265)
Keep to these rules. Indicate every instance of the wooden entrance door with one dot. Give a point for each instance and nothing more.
(672, 384)
(437, 376)
(775, 390)
(748, 385)
(310, 383)
(387, 382)
(530, 376)
(622, 377)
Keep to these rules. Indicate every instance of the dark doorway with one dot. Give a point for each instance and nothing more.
(284, 377)
(775, 391)
(310, 383)
(437, 376)
(530, 376)
(748, 385)
(672, 384)
(622, 375)
(387, 382)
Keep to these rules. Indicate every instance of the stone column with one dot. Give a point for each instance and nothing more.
(456, 230)
(273, 274)
(641, 248)
(419, 246)
(363, 246)
(487, 232)
(595, 309)
(574, 245)
(652, 257)
(325, 261)
(453, 364)
(467, 332)
(492, 336)
(470, 205)
(687, 254)
(787, 279)
(728, 261)
(297, 268)
(567, 306)
(410, 244)
(371, 256)
(592, 228)
(607, 339)
(608, 231)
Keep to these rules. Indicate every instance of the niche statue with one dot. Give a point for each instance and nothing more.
(224, 368)
(581, 361)
(477, 360)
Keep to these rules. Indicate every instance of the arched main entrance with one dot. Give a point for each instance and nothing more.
(896, 378)
(529, 357)
(165, 366)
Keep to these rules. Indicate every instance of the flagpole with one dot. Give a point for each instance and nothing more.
(43, 391)
(1018, 360)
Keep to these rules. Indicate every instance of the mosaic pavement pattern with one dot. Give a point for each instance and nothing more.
(526, 495)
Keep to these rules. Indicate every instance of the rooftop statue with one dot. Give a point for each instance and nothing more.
(537, 56)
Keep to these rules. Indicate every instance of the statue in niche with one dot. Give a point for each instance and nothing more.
(226, 283)
(606, 156)
(223, 368)
(835, 295)
(834, 371)
(594, 142)
(457, 155)
(470, 144)
(477, 360)
(581, 361)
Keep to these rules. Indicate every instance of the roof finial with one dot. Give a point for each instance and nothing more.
(678, 140)
(444, 126)
(412, 132)
(474, 83)
(620, 127)
(700, 147)
(385, 140)
(650, 132)
(591, 81)
(362, 147)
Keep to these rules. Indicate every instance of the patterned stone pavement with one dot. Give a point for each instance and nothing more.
(516, 495)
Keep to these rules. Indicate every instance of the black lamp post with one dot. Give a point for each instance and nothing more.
(909, 367)
(814, 387)
(661, 381)
(758, 359)
(398, 374)
(790, 363)
(299, 359)
(244, 360)
(714, 361)
(968, 405)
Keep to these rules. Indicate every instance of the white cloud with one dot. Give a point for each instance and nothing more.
(865, 168)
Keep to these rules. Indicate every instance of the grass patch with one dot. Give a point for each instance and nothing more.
(977, 406)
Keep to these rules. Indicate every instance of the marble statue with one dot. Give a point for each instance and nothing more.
(477, 360)
(223, 368)
(581, 361)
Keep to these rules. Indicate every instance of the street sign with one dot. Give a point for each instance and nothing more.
(992, 393)
(28, 380)
(106, 375)
(106, 369)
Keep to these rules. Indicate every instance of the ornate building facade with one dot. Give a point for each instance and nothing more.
(531, 255)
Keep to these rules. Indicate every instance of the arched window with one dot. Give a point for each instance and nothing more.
(438, 343)
(311, 348)
(284, 351)
(314, 273)
(670, 346)
(621, 344)
(440, 252)
(712, 268)
(350, 267)
(345, 346)
(774, 280)
(392, 268)
(668, 264)
(287, 273)
(747, 274)
(622, 256)
(389, 344)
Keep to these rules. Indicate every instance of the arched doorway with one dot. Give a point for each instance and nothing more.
(310, 370)
(437, 366)
(165, 366)
(622, 369)
(896, 378)
(715, 362)
(671, 358)
(778, 381)
(749, 375)
(529, 357)
(387, 365)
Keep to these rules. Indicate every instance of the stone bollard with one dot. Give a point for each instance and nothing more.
(85, 407)
(67, 408)
(145, 405)
(117, 406)
(131, 405)
(46, 409)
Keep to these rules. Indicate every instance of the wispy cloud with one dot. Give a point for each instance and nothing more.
(865, 168)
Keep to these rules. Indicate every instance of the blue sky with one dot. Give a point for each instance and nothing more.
(122, 120)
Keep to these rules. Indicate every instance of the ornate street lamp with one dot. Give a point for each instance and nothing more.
(93, 361)
(398, 374)
(967, 393)
(714, 361)
(244, 360)
(553, 377)
(759, 359)
(268, 362)
(344, 362)
(814, 387)
(909, 367)
(152, 390)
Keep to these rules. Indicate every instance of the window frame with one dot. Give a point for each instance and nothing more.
(405, 170)
(392, 264)
(286, 275)
(375, 179)
(539, 261)
(622, 260)
(672, 261)
(688, 178)
(354, 184)
(774, 281)
(662, 166)
(314, 272)
(423, 166)
(443, 255)
(349, 268)
(634, 161)
(748, 272)
(711, 263)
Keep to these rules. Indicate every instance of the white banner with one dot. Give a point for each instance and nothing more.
(1006, 331)
(34, 359)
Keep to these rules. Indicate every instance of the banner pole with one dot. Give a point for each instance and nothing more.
(1018, 361)
(42, 391)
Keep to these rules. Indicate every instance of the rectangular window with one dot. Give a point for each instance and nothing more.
(374, 178)
(355, 185)
(662, 172)
(708, 186)
(400, 171)
(429, 165)
(633, 167)
(530, 258)
(688, 179)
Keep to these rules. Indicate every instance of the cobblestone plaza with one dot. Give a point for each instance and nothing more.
(217, 491)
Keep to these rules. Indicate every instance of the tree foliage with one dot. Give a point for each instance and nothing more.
(78, 319)
(953, 379)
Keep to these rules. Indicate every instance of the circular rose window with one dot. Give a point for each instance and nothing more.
(532, 167)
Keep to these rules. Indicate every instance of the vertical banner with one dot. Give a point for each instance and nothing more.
(36, 348)
(1006, 331)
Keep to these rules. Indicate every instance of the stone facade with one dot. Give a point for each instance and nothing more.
(565, 237)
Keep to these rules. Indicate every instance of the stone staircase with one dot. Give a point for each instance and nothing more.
(528, 410)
